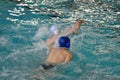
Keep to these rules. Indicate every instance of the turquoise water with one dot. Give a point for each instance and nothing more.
(24, 27)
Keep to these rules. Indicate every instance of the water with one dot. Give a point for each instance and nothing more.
(24, 27)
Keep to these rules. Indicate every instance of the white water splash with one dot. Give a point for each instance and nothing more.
(41, 33)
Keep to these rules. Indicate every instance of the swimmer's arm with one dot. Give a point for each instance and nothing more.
(51, 40)
(75, 27)
(68, 58)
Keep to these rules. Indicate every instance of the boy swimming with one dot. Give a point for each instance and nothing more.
(59, 44)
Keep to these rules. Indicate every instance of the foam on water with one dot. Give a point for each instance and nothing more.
(41, 33)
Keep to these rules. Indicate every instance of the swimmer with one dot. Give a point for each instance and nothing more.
(59, 44)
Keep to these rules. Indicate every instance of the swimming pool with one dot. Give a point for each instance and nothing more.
(24, 27)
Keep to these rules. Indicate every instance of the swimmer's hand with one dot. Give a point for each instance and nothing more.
(79, 22)
(74, 29)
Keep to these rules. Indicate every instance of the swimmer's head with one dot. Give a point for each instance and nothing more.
(54, 30)
(64, 42)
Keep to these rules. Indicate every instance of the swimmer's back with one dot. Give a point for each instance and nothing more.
(59, 55)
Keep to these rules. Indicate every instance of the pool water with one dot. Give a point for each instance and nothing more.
(24, 28)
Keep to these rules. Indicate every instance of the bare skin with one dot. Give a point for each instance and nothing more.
(61, 55)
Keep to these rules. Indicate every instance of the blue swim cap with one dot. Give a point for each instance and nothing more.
(64, 41)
